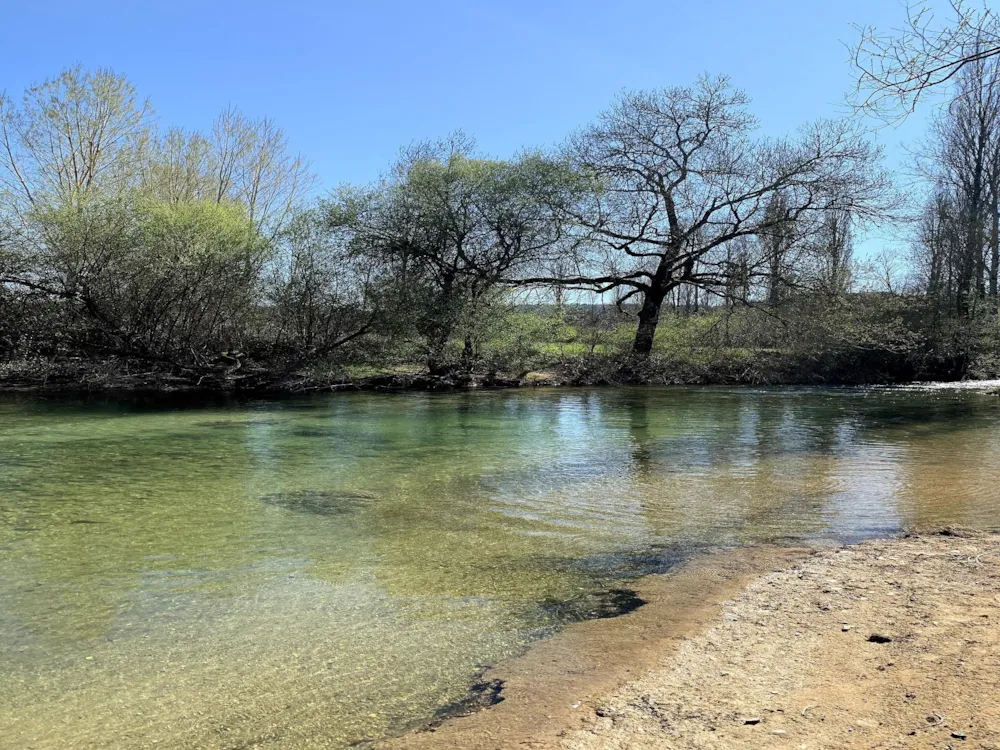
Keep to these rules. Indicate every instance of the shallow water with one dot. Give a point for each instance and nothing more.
(316, 573)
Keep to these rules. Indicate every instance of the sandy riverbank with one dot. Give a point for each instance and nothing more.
(886, 644)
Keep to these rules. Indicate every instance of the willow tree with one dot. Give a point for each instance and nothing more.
(679, 174)
(138, 242)
(168, 282)
(240, 160)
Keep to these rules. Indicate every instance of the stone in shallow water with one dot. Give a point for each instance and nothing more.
(232, 424)
(594, 605)
(320, 502)
(482, 694)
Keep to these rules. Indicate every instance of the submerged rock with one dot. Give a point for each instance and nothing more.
(317, 432)
(482, 694)
(593, 606)
(320, 502)
(232, 424)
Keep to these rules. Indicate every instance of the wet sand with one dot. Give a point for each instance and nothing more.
(560, 682)
(887, 644)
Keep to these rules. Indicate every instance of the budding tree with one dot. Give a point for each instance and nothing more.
(453, 228)
(243, 161)
(70, 138)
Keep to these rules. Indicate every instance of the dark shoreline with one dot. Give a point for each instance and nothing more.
(169, 390)
(116, 376)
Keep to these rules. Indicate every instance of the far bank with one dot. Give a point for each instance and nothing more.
(116, 376)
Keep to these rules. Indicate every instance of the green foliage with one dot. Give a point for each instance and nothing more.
(197, 232)
(515, 339)
(448, 228)
(151, 278)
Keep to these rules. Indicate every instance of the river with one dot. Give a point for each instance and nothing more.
(318, 572)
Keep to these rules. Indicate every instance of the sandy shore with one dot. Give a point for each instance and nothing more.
(886, 644)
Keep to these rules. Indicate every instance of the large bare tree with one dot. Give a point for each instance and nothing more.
(679, 175)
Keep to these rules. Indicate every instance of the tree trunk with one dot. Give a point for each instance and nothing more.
(969, 285)
(995, 257)
(649, 316)
(438, 326)
(436, 352)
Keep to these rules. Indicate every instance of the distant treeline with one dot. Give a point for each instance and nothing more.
(667, 241)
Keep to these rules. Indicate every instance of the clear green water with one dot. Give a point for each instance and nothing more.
(314, 573)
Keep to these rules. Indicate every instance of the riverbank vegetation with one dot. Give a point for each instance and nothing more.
(667, 241)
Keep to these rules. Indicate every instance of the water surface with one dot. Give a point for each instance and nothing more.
(317, 573)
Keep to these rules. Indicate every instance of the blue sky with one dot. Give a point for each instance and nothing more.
(352, 82)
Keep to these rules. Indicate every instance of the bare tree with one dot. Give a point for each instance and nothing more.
(778, 239)
(678, 175)
(897, 68)
(939, 243)
(884, 272)
(963, 162)
(834, 251)
(251, 164)
(177, 167)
